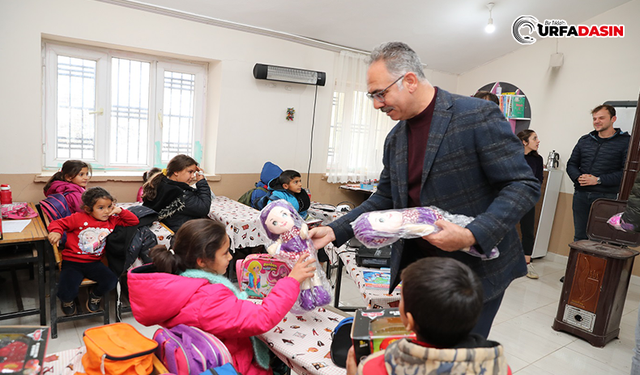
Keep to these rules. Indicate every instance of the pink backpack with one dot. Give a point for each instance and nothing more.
(186, 350)
(258, 273)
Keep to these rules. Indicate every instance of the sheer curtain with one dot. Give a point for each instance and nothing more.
(357, 129)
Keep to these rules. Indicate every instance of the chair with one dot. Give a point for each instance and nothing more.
(55, 262)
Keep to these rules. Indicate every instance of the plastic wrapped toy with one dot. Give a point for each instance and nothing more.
(283, 225)
(617, 223)
(376, 229)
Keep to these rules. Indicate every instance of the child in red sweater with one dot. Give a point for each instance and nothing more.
(82, 257)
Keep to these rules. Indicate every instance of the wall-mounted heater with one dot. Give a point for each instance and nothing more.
(293, 75)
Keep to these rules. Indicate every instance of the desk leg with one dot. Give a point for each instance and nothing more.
(40, 247)
(336, 295)
(53, 308)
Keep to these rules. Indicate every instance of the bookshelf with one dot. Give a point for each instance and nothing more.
(513, 103)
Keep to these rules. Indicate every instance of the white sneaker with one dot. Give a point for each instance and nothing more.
(531, 272)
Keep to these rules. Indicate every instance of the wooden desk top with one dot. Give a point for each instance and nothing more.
(35, 231)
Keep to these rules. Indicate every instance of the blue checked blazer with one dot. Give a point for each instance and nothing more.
(474, 165)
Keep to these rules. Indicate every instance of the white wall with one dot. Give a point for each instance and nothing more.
(245, 117)
(594, 71)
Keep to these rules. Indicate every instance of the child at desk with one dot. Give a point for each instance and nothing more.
(184, 285)
(145, 177)
(288, 186)
(86, 237)
(71, 181)
(441, 302)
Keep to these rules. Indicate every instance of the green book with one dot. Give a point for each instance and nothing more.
(517, 106)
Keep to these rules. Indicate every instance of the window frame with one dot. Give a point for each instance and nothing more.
(103, 57)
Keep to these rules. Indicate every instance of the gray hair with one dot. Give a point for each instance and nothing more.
(399, 59)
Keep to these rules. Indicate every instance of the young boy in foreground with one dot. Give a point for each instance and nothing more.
(441, 301)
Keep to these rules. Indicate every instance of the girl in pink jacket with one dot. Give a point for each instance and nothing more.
(185, 285)
(71, 181)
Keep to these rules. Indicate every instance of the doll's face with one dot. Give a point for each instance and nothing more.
(388, 222)
(279, 220)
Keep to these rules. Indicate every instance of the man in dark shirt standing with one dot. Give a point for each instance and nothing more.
(453, 152)
(596, 166)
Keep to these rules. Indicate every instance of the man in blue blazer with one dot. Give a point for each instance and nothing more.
(453, 152)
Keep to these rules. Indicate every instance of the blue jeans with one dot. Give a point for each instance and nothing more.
(582, 201)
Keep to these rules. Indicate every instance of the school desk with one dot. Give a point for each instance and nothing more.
(303, 341)
(25, 248)
(375, 297)
(241, 221)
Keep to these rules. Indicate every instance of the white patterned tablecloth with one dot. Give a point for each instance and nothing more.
(241, 221)
(303, 342)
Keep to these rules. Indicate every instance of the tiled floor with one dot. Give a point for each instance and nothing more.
(523, 325)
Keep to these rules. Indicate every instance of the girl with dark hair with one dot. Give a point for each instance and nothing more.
(71, 181)
(87, 232)
(185, 285)
(145, 177)
(531, 143)
(169, 193)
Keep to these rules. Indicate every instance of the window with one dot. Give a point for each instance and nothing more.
(358, 131)
(120, 110)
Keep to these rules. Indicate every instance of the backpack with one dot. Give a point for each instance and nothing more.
(55, 206)
(254, 197)
(226, 369)
(251, 197)
(117, 349)
(258, 273)
(186, 350)
(341, 342)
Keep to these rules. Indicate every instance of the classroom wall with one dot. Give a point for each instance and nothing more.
(245, 123)
(595, 70)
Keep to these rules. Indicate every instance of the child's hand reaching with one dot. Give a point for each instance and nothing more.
(116, 210)
(303, 270)
(54, 238)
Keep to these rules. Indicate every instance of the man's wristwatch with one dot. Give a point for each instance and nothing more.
(598, 181)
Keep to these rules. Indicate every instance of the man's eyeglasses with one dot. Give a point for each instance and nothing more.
(379, 96)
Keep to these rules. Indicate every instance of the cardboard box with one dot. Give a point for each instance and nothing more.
(373, 330)
(22, 349)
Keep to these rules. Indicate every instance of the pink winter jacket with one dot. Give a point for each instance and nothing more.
(73, 194)
(168, 300)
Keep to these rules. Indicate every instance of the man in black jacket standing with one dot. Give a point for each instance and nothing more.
(596, 166)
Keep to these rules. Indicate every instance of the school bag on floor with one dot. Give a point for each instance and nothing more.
(186, 350)
(117, 349)
(258, 273)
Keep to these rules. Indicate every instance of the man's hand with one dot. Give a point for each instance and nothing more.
(451, 237)
(587, 180)
(321, 236)
(54, 238)
(352, 366)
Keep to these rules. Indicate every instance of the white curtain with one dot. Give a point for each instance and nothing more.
(357, 129)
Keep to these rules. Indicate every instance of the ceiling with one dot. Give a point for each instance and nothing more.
(448, 35)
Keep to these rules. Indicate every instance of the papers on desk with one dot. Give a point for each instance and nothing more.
(14, 226)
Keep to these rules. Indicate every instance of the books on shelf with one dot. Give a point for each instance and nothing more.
(512, 105)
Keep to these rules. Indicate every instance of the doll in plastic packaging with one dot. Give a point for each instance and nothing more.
(376, 229)
(283, 225)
